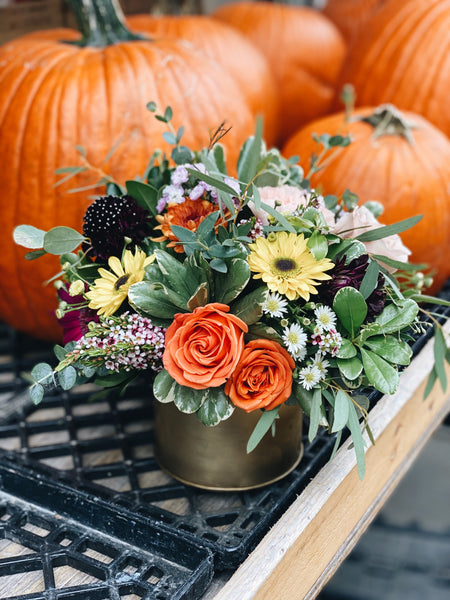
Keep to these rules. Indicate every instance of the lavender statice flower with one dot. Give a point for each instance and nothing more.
(127, 343)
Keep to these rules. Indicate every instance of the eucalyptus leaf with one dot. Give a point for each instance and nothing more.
(67, 378)
(430, 382)
(250, 155)
(370, 279)
(350, 308)
(35, 254)
(397, 264)
(265, 423)
(382, 375)
(387, 230)
(42, 373)
(314, 417)
(440, 349)
(216, 408)
(29, 236)
(36, 392)
(341, 411)
(358, 440)
(215, 182)
(62, 239)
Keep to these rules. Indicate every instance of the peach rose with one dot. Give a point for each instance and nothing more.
(262, 378)
(204, 347)
(352, 224)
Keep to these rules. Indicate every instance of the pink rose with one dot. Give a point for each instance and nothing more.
(287, 199)
(352, 224)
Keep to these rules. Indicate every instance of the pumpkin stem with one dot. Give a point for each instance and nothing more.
(101, 23)
(388, 120)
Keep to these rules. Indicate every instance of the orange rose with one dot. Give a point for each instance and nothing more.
(204, 347)
(262, 378)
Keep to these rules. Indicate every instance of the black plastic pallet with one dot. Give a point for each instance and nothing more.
(99, 471)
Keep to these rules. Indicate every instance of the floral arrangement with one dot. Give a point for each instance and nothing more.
(236, 293)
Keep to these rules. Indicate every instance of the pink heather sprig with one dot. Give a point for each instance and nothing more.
(127, 342)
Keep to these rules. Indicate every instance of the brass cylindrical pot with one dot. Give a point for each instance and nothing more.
(215, 458)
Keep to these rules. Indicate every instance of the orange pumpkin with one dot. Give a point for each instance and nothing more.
(305, 51)
(402, 56)
(351, 16)
(55, 96)
(398, 159)
(247, 65)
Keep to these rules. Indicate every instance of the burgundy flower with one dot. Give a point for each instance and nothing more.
(351, 275)
(109, 219)
(75, 322)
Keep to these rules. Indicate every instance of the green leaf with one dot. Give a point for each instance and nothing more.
(29, 236)
(216, 408)
(181, 155)
(305, 399)
(350, 368)
(358, 440)
(249, 307)
(189, 400)
(341, 411)
(215, 182)
(387, 230)
(219, 265)
(346, 350)
(177, 275)
(430, 299)
(67, 378)
(153, 302)
(397, 264)
(318, 245)
(440, 349)
(228, 287)
(391, 349)
(262, 427)
(314, 418)
(144, 194)
(62, 239)
(379, 372)
(430, 383)
(35, 254)
(42, 373)
(164, 387)
(396, 317)
(60, 352)
(370, 280)
(36, 392)
(250, 155)
(350, 308)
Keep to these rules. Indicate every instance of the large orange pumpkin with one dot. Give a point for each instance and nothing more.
(247, 65)
(402, 56)
(56, 95)
(405, 167)
(350, 16)
(305, 51)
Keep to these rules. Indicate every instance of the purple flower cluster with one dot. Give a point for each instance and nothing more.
(125, 343)
(181, 187)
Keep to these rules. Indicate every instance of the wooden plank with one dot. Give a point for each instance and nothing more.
(301, 552)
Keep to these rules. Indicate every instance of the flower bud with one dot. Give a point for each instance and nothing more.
(76, 288)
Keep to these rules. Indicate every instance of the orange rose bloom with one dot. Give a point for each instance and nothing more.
(204, 347)
(262, 378)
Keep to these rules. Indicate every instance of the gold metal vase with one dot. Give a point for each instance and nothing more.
(215, 458)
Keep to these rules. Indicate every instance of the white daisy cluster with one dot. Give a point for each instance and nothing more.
(124, 343)
(178, 190)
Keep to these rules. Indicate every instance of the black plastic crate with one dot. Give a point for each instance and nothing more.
(92, 459)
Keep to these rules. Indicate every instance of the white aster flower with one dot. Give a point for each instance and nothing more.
(321, 363)
(325, 316)
(275, 305)
(295, 339)
(309, 376)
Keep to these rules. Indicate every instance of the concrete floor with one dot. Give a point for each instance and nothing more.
(405, 553)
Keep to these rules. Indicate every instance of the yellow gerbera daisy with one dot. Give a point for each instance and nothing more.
(285, 263)
(111, 289)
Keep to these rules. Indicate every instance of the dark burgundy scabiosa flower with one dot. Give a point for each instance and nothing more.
(75, 322)
(110, 219)
(352, 275)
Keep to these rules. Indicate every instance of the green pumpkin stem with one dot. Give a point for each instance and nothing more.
(388, 120)
(101, 23)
